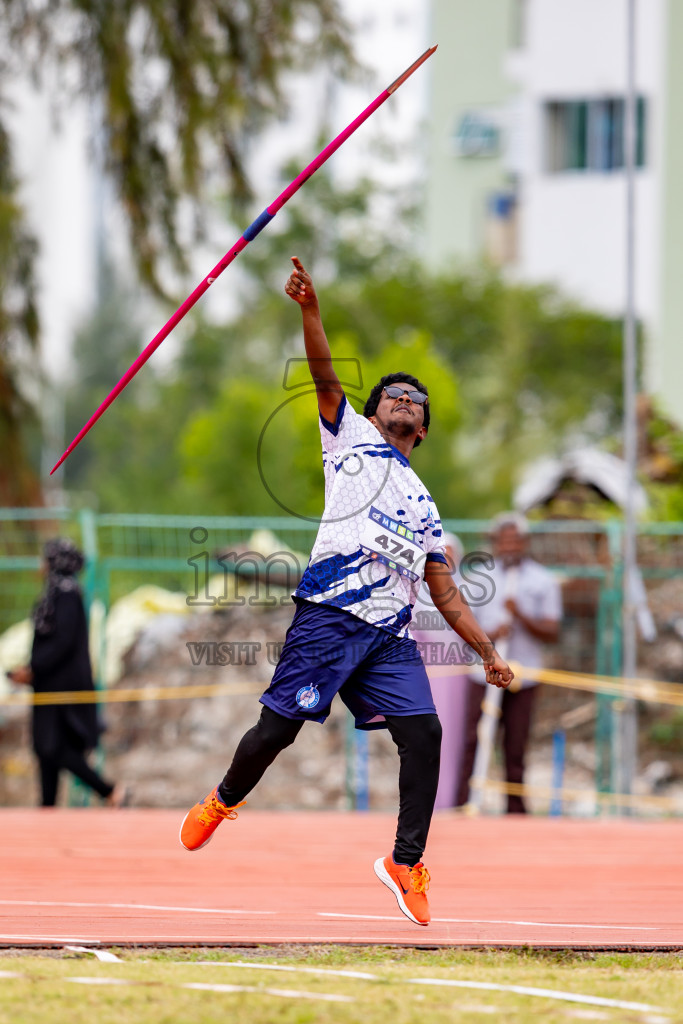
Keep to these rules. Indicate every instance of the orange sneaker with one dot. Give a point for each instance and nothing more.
(201, 822)
(409, 886)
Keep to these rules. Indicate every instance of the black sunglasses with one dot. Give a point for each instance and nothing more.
(393, 391)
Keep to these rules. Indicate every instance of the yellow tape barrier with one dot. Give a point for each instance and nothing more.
(641, 689)
(620, 800)
(124, 695)
(651, 690)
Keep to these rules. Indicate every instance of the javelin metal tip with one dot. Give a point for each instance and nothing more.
(413, 67)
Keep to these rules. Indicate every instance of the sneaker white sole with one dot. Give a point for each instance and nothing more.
(191, 849)
(385, 877)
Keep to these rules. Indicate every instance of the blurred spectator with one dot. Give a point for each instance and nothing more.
(449, 691)
(63, 733)
(524, 613)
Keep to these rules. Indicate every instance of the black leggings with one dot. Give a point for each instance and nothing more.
(418, 738)
(74, 761)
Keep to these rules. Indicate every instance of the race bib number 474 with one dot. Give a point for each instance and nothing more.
(393, 544)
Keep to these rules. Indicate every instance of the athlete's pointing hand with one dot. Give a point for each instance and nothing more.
(299, 285)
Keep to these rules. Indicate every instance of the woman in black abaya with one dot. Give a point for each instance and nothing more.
(60, 661)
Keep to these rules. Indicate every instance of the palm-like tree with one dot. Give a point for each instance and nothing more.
(182, 86)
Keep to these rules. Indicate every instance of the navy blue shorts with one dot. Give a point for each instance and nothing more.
(330, 651)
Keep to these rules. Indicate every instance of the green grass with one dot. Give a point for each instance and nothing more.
(154, 992)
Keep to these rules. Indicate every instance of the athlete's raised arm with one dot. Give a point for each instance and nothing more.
(300, 288)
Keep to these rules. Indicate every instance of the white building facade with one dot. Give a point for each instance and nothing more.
(526, 161)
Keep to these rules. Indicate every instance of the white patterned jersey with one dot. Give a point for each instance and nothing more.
(379, 529)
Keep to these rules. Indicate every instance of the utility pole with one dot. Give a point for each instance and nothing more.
(626, 731)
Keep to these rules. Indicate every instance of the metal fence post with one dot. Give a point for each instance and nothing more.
(87, 523)
(616, 549)
(603, 725)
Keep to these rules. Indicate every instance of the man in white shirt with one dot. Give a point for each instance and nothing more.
(523, 614)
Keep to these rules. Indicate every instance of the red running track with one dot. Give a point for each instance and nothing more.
(121, 878)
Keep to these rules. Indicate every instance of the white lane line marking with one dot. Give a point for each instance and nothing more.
(480, 985)
(285, 992)
(364, 917)
(476, 920)
(51, 938)
(101, 981)
(281, 967)
(481, 1008)
(587, 1015)
(131, 906)
(544, 993)
(102, 954)
(553, 924)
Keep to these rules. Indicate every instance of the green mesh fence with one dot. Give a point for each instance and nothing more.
(194, 555)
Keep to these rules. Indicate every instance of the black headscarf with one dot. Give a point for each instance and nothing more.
(64, 560)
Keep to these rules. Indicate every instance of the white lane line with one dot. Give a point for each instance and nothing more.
(281, 967)
(102, 981)
(364, 917)
(476, 920)
(131, 906)
(480, 985)
(481, 1008)
(544, 993)
(284, 992)
(587, 1015)
(553, 924)
(102, 954)
(50, 938)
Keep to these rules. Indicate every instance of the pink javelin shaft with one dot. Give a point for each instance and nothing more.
(241, 243)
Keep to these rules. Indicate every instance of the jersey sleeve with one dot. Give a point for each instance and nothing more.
(435, 546)
(347, 430)
(436, 556)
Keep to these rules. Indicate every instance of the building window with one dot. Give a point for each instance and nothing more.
(588, 135)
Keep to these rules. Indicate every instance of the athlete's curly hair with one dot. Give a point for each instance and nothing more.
(393, 378)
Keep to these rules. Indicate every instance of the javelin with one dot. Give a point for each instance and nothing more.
(241, 243)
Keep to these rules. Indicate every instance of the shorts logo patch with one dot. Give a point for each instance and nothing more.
(308, 696)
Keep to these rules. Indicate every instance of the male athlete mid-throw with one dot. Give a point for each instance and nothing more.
(380, 535)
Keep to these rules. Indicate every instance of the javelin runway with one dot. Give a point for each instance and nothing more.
(121, 878)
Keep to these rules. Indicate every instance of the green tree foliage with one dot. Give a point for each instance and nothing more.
(221, 433)
(19, 483)
(532, 368)
(182, 87)
(128, 462)
(256, 449)
(138, 456)
(660, 462)
(511, 370)
(178, 89)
